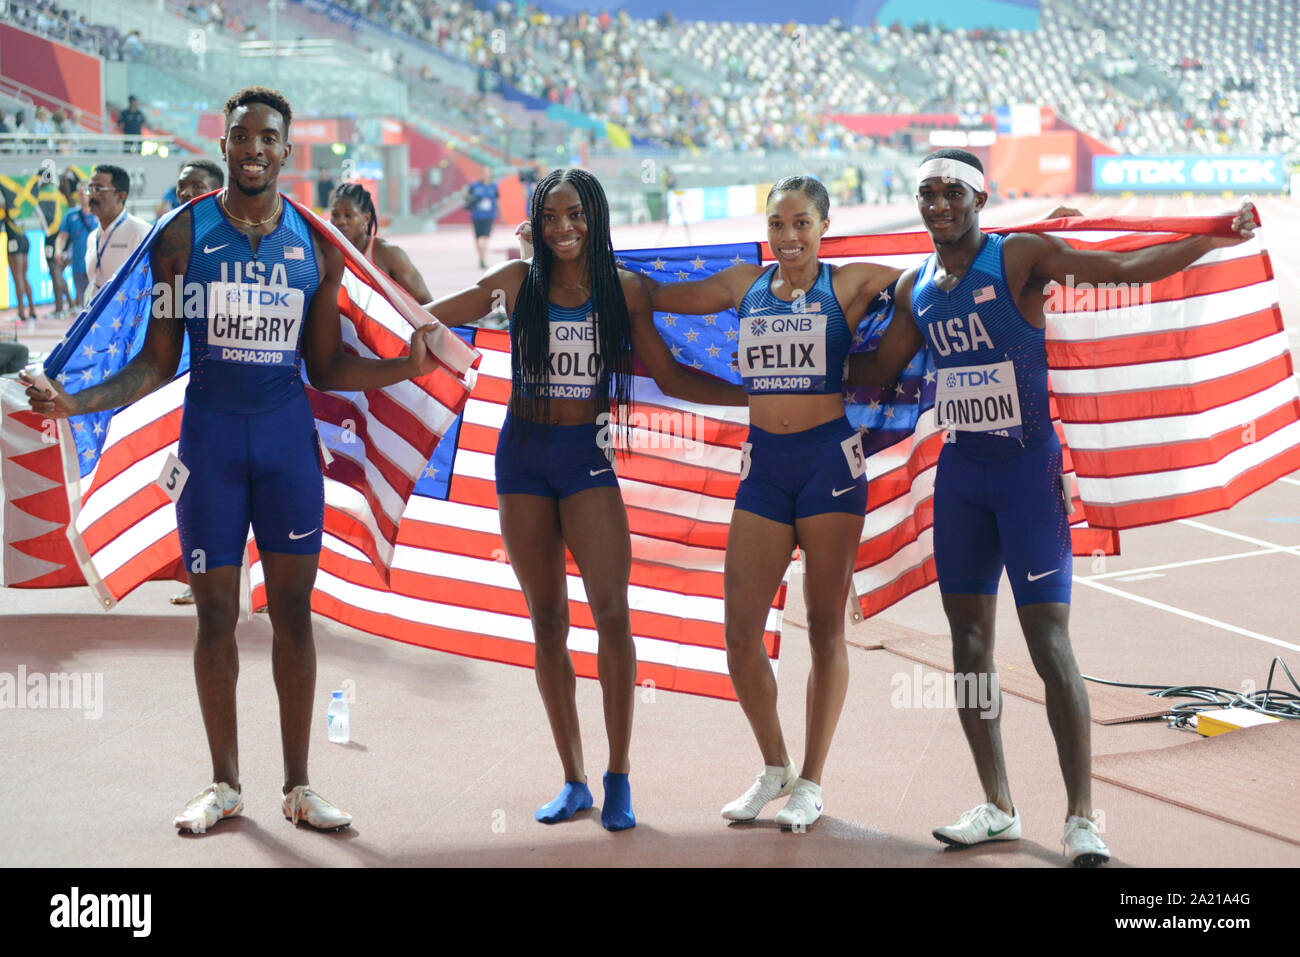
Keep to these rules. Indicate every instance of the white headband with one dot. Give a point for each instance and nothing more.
(949, 169)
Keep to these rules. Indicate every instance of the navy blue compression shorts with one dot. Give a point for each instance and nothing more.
(554, 461)
(790, 476)
(262, 469)
(1010, 511)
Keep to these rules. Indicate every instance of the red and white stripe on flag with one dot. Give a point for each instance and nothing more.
(124, 527)
(1180, 398)
(452, 589)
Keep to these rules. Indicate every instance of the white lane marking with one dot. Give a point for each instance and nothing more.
(1172, 609)
(1294, 550)
(1289, 481)
(1194, 561)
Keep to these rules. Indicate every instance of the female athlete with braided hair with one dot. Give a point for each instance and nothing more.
(352, 212)
(575, 320)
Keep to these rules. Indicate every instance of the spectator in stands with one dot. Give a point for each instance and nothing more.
(118, 233)
(131, 121)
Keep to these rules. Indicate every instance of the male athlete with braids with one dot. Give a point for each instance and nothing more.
(352, 212)
(248, 436)
(998, 500)
(575, 320)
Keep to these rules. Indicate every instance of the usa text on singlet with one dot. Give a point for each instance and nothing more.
(991, 362)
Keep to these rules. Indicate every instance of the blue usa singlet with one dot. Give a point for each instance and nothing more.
(992, 363)
(572, 359)
(796, 346)
(246, 335)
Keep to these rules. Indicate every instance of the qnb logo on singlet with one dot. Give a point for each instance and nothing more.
(783, 353)
(979, 399)
(252, 319)
(959, 335)
(572, 360)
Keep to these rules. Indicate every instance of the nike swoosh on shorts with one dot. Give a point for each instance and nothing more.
(1033, 578)
(294, 537)
(600, 472)
(837, 492)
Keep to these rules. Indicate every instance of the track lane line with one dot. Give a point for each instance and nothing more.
(1184, 613)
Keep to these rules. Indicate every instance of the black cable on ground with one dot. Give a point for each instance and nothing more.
(1275, 704)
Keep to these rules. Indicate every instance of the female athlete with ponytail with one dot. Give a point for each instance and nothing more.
(556, 486)
(352, 212)
(803, 477)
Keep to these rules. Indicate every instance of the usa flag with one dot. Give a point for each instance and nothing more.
(1155, 419)
(120, 525)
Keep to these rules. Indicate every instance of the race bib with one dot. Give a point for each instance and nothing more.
(254, 324)
(979, 399)
(783, 353)
(573, 361)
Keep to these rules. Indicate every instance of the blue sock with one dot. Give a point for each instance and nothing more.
(616, 813)
(573, 797)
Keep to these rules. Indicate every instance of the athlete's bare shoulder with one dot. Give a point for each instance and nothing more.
(171, 250)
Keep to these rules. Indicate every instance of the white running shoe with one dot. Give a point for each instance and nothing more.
(305, 805)
(988, 822)
(804, 806)
(1083, 844)
(771, 784)
(210, 806)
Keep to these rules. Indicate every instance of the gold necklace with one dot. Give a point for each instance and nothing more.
(278, 203)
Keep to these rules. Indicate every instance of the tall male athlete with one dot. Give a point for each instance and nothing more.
(978, 303)
(248, 437)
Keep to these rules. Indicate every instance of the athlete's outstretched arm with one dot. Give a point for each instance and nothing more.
(722, 290)
(330, 368)
(155, 364)
(496, 290)
(857, 284)
(397, 264)
(672, 378)
(901, 339)
(1050, 259)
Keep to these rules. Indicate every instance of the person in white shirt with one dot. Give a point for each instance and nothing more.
(118, 233)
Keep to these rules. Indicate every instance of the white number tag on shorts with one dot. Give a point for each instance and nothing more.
(745, 449)
(173, 478)
(852, 447)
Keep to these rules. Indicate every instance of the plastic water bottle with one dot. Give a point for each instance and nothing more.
(338, 718)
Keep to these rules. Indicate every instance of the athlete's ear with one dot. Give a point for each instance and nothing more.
(288, 150)
(826, 224)
(980, 200)
(221, 144)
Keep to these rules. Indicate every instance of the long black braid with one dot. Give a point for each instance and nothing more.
(360, 197)
(530, 331)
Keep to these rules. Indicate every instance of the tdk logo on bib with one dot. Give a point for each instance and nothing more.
(967, 378)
